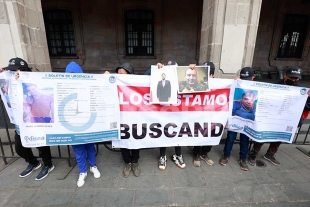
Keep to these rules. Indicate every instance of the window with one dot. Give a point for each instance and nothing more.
(293, 36)
(59, 33)
(139, 32)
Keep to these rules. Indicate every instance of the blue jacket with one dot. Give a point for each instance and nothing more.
(239, 110)
(73, 67)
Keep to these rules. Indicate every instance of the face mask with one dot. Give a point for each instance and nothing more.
(290, 82)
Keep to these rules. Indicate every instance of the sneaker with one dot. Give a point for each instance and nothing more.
(224, 160)
(95, 171)
(135, 169)
(197, 161)
(252, 160)
(178, 160)
(29, 169)
(207, 159)
(44, 172)
(162, 162)
(243, 165)
(272, 159)
(81, 180)
(127, 170)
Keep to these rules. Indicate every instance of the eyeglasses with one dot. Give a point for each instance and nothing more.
(193, 75)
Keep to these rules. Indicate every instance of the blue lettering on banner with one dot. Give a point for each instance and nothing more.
(281, 136)
(81, 138)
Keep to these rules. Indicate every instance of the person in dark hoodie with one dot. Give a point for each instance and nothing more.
(201, 152)
(291, 77)
(18, 64)
(246, 73)
(130, 156)
(83, 152)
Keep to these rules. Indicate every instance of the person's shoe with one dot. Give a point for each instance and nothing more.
(207, 159)
(81, 180)
(243, 165)
(197, 161)
(127, 170)
(162, 162)
(252, 160)
(178, 160)
(135, 169)
(29, 169)
(224, 160)
(44, 172)
(272, 159)
(95, 171)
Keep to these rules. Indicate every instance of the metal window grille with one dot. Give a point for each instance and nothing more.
(294, 33)
(139, 32)
(59, 33)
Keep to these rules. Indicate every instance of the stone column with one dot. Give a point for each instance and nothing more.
(23, 33)
(228, 34)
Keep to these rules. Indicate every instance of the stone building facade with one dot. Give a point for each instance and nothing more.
(101, 34)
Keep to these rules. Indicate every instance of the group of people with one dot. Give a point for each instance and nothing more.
(87, 152)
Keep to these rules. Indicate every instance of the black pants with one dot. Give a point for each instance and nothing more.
(130, 155)
(26, 153)
(162, 151)
(201, 150)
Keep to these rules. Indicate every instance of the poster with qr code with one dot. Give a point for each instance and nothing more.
(67, 108)
(266, 112)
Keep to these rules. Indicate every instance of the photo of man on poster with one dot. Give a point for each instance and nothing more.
(163, 89)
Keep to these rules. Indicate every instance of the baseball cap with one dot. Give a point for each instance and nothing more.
(211, 64)
(246, 73)
(16, 63)
(294, 72)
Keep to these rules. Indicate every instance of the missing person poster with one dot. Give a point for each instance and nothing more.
(266, 112)
(67, 108)
(164, 85)
(195, 120)
(193, 80)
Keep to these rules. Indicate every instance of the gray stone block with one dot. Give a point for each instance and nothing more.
(3, 14)
(154, 197)
(184, 197)
(115, 198)
(214, 196)
(82, 197)
(19, 197)
(255, 193)
(51, 197)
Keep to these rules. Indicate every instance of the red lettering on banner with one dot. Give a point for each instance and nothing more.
(133, 98)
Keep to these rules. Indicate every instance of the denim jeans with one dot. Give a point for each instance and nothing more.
(244, 144)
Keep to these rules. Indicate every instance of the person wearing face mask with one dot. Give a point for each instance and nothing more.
(291, 77)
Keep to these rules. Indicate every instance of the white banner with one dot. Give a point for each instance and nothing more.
(266, 112)
(196, 119)
(67, 108)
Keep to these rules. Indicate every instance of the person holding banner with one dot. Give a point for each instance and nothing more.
(291, 77)
(246, 73)
(201, 152)
(18, 64)
(83, 152)
(130, 156)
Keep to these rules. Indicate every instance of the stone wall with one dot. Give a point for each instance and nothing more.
(22, 33)
(99, 32)
(269, 32)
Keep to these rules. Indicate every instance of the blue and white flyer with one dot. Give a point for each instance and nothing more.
(67, 108)
(266, 112)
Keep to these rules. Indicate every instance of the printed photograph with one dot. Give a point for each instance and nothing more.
(193, 80)
(245, 102)
(4, 84)
(38, 104)
(163, 85)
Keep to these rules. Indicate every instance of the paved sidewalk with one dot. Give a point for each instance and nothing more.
(287, 185)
